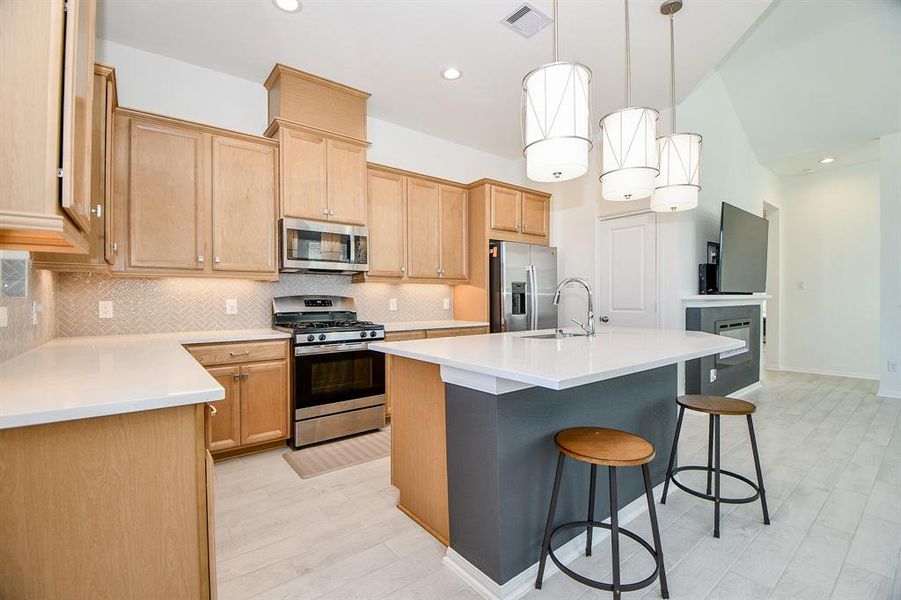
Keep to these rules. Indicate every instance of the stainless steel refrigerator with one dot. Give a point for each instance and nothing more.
(522, 280)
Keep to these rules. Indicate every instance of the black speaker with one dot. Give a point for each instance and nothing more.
(707, 283)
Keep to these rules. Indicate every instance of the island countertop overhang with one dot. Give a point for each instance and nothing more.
(508, 361)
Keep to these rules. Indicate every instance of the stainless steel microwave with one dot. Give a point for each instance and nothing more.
(317, 247)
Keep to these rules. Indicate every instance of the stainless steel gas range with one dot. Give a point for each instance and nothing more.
(339, 384)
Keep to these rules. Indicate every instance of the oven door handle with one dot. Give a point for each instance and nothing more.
(330, 348)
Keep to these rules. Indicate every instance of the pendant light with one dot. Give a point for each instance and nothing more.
(556, 119)
(678, 183)
(629, 145)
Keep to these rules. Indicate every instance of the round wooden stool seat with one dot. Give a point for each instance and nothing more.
(609, 447)
(716, 405)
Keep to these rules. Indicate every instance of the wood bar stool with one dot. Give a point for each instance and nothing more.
(611, 448)
(715, 406)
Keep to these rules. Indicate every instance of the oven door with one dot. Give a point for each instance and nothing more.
(337, 381)
(317, 246)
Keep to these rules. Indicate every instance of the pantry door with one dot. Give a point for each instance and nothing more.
(628, 271)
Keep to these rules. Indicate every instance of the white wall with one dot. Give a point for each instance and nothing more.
(890, 279)
(159, 84)
(830, 223)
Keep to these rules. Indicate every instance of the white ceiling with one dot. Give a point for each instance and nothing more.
(397, 49)
(818, 79)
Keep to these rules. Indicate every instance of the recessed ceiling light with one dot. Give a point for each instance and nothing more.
(809, 171)
(291, 6)
(827, 160)
(451, 73)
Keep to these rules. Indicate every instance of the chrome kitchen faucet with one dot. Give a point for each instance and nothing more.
(588, 328)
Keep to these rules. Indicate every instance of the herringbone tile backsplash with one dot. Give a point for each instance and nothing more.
(20, 334)
(184, 304)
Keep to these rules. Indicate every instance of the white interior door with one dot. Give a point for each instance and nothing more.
(628, 271)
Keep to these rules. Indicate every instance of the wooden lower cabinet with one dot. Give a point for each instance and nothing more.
(257, 406)
(117, 506)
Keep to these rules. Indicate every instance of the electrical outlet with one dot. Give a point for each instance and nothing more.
(392, 303)
(231, 306)
(4, 317)
(105, 309)
(712, 375)
(891, 366)
(801, 285)
(36, 309)
(447, 304)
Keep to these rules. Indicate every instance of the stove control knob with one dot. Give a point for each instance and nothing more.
(311, 337)
(321, 337)
(362, 334)
(372, 334)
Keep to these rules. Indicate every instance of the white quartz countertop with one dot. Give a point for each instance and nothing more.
(77, 378)
(565, 363)
(417, 325)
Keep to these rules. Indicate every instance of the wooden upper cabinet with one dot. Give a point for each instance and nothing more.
(346, 182)
(303, 174)
(387, 224)
(224, 428)
(168, 175)
(504, 206)
(264, 397)
(453, 226)
(78, 93)
(244, 184)
(423, 240)
(535, 214)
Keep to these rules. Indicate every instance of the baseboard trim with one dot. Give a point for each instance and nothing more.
(848, 374)
(893, 394)
(746, 390)
(524, 582)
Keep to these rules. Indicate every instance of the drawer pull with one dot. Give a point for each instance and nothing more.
(244, 353)
(213, 410)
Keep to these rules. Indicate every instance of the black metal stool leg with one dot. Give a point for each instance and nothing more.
(672, 455)
(655, 529)
(709, 453)
(545, 546)
(766, 513)
(716, 482)
(591, 485)
(614, 532)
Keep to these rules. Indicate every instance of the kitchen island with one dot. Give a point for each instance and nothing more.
(474, 420)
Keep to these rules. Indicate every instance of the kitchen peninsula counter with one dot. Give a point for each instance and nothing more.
(473, 424)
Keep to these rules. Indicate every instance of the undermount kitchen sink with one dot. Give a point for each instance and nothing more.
(554, 336)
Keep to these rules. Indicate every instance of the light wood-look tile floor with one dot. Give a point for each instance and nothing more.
(831, 453)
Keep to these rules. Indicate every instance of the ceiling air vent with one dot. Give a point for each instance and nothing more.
(527, 20)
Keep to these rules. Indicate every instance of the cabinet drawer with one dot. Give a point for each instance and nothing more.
(400, 336)
(439, 333)
(223, 354)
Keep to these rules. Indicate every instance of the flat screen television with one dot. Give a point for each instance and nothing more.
(742, 260)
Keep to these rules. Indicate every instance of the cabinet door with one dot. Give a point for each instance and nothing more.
(504, 206)
(535, 214)
(264, 402)
(78, 93)
(454, 232)
(104, 137)
(303, 167)
(346, 182)
(423, 241)
(387, 224)
(244, 198)
(166, 196)
(224, 429)
(210, 524)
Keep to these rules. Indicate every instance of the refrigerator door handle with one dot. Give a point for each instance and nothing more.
(532, 282)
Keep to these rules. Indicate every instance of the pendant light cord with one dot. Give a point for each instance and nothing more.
(672, 71)
(556, 58)
(628, 60)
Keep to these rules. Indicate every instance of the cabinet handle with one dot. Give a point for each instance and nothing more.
(403, 269)
(97, 211)
(244, 376)
(115, 246)
(213, 410)
(216, 260)
(200, 259)
(237, 376)
(244, 353)
(325, 211)
(331, 212)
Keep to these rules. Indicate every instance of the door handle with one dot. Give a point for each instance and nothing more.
(605, 319)
(213, 410)
(532, 293)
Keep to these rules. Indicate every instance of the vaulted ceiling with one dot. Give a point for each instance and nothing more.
(396, 50)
